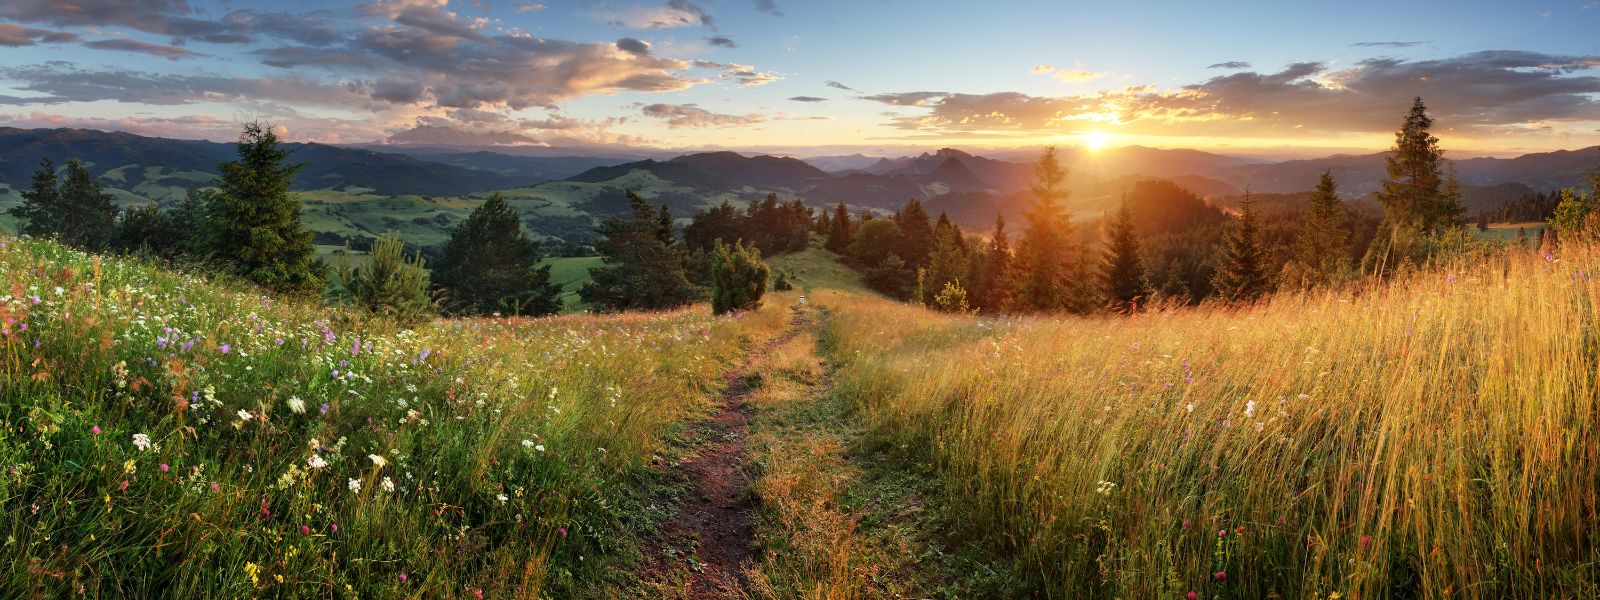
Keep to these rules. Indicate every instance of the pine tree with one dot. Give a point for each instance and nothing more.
(1122, 274)
(839, 230)
(642, 271)
(1321, 251)
(916, 233)
(946, 263)
(256, 229)
(738, 277)
(1243, 275)
(993, 291)
(489, 265)
(1413, 198)
(41, 211)
(389, 284)
(1045, 252)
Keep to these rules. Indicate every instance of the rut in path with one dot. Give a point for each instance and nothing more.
(719, 511)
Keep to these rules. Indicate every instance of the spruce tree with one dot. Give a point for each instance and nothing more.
(916, 233)
(1045, 252)
(947, 262)
(90, 219)
(738, 277)
(489, 265)
(256, 231)
(839, 230)
(390, 284)
(642, 271)
(994, 282)
(1322, 248)
(1122, 273)
(1413, 196)
(1243, 274)
(41, 213)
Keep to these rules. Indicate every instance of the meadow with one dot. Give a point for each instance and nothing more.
(171, 435)
(1432, 436)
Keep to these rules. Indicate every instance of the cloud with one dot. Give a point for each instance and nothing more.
(840, 86)
(127, 45)
(676, 13)
(1232, 64)
(634, 46)
(721, 40)
(1078, 75)
(745, 75)
(58, 83)
(808, 99)
(164, 17)
(1039, 69)
(523, 7)
(1387, 44)
(1474, 93)
(769, 7)
(16, 35)
(689, 115)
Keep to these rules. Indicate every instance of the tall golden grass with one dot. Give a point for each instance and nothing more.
(1434, 436)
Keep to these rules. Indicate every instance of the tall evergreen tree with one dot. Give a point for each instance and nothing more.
(641, 271)
(839, 229)
(947, 263)
(1416, 205)
(256, 229)
(993, 283)
(489, 265)
(1122, 274)
(1046, 251)
(1243, 275)
(41, 213)
(916, 233)
(1322, 248)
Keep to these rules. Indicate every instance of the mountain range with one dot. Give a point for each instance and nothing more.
(564, 195)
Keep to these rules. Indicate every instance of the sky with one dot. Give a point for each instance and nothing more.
(880, 77)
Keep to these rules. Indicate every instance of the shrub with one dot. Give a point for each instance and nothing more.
(738, 277)
(390, 285)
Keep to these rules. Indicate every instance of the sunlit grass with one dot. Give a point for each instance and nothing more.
(294, 452)
(1433, 437)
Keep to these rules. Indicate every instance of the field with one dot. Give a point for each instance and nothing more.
(1432, 436)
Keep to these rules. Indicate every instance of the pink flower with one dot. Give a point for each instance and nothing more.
(1186, 523)
(478, 593)
(1220, 576)
(1191, 596)
(95, 430)
(1366, 540)
(334, 528)
(305, 530)
(216, 487)
(164, 467)
(562, 531)
(402, 577)
(1222, 533)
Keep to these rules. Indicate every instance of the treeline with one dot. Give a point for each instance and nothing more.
(247, 225)
(1167, 246)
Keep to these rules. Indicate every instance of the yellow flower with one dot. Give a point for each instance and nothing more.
(252, 570)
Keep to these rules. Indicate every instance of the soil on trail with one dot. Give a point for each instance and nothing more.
(716, 517)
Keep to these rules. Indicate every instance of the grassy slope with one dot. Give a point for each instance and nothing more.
(1434, 437)
(514, 447)
(571, 273)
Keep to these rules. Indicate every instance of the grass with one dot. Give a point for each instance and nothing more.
(170, 435)
(818, 269)
(571, 273)
(1432, 437)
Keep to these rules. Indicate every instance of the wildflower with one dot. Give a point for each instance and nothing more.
(539, 447)
(305, 530)
(252, 570)
(502, 498)
(377, 461)
(95, 430)
(1366, 540)
(354, 485)
(1190, 596)
(1250, 408)
(142, 441)
(1222, 533)
(527, 443)
(478, 593)
(216, 487)
(296, 405)
(387, 485)
(316, 461)
(1104, 488)
(163, 467)
(1186, 523)
(402, 577)
(562, 531)
(1220, 576)
(245, 415)
(324, 408)
(225, 348)
(1188, 408)
(333, 528)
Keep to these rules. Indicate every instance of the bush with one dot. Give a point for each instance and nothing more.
(738, 277)
(782, 283)
(390, 284)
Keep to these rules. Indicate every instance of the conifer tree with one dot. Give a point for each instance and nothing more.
(839, 229)
(916, 233)
(41, 212)
(946, 263)
(256, 229)
(738, 277)
(1045, 252)
(489, 265)
(1122, 274)
(1321, 250)
(1243, 274)
(1413, 196)
(642, 271)
(994, 282)
(390, 284)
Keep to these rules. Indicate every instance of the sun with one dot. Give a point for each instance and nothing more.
(1095, 141)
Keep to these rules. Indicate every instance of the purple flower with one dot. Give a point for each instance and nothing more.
(324, 408)
(356, 347)
(225, 348)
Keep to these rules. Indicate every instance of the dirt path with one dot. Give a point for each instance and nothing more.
(717, 515)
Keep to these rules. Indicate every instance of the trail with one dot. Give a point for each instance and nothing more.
(717, 515)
